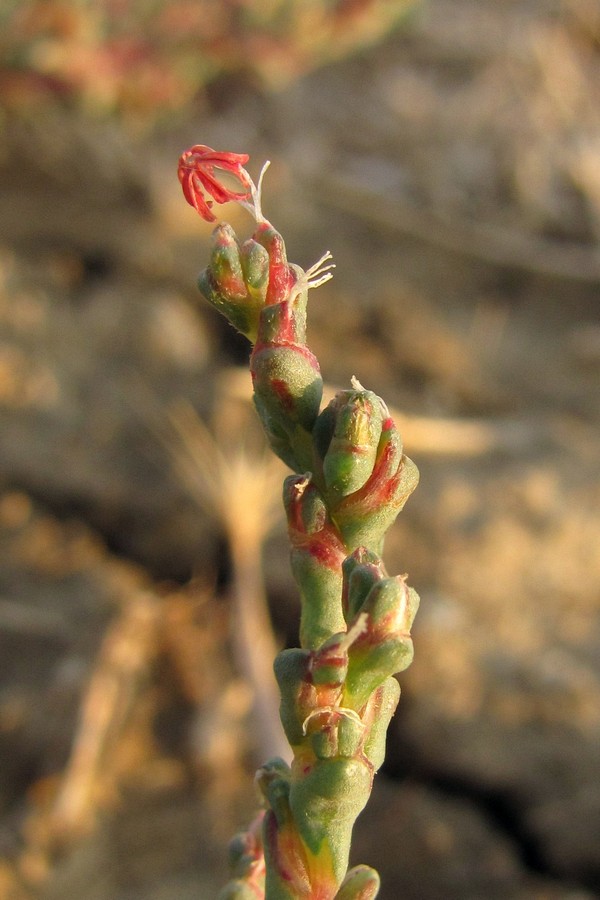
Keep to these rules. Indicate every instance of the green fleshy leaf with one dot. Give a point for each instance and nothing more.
(385, 647)
(291, 667)
(382, 706)
(240, 311)
(370, 667)
(287, 393)
(321, 588)
(361, 571)
(361, 883)
(364, 517)
(325, 803)
(316, 559)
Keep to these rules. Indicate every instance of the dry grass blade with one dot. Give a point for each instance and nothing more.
(242, 492)
(121, 671)
(108, 709)
(240, 489)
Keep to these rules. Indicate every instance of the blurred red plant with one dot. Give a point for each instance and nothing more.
(136, 58)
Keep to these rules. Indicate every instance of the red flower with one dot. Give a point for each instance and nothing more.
(196, 172)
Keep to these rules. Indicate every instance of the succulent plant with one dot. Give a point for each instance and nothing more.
(350, 479)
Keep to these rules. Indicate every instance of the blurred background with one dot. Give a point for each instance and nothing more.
(447, 152)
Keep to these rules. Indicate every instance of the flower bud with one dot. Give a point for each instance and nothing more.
(366, 478)
(231, 282)
(353, 420)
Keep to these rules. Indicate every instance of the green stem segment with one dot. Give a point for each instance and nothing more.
(350, 480)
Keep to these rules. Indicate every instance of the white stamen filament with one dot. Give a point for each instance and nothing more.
(342, 710)
(255, 207)
(359, 627)
(318, 273)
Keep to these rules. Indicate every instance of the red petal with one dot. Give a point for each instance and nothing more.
(196, 173)
(224, 159)
(195, 197)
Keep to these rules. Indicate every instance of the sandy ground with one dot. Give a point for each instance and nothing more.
(453, 173)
